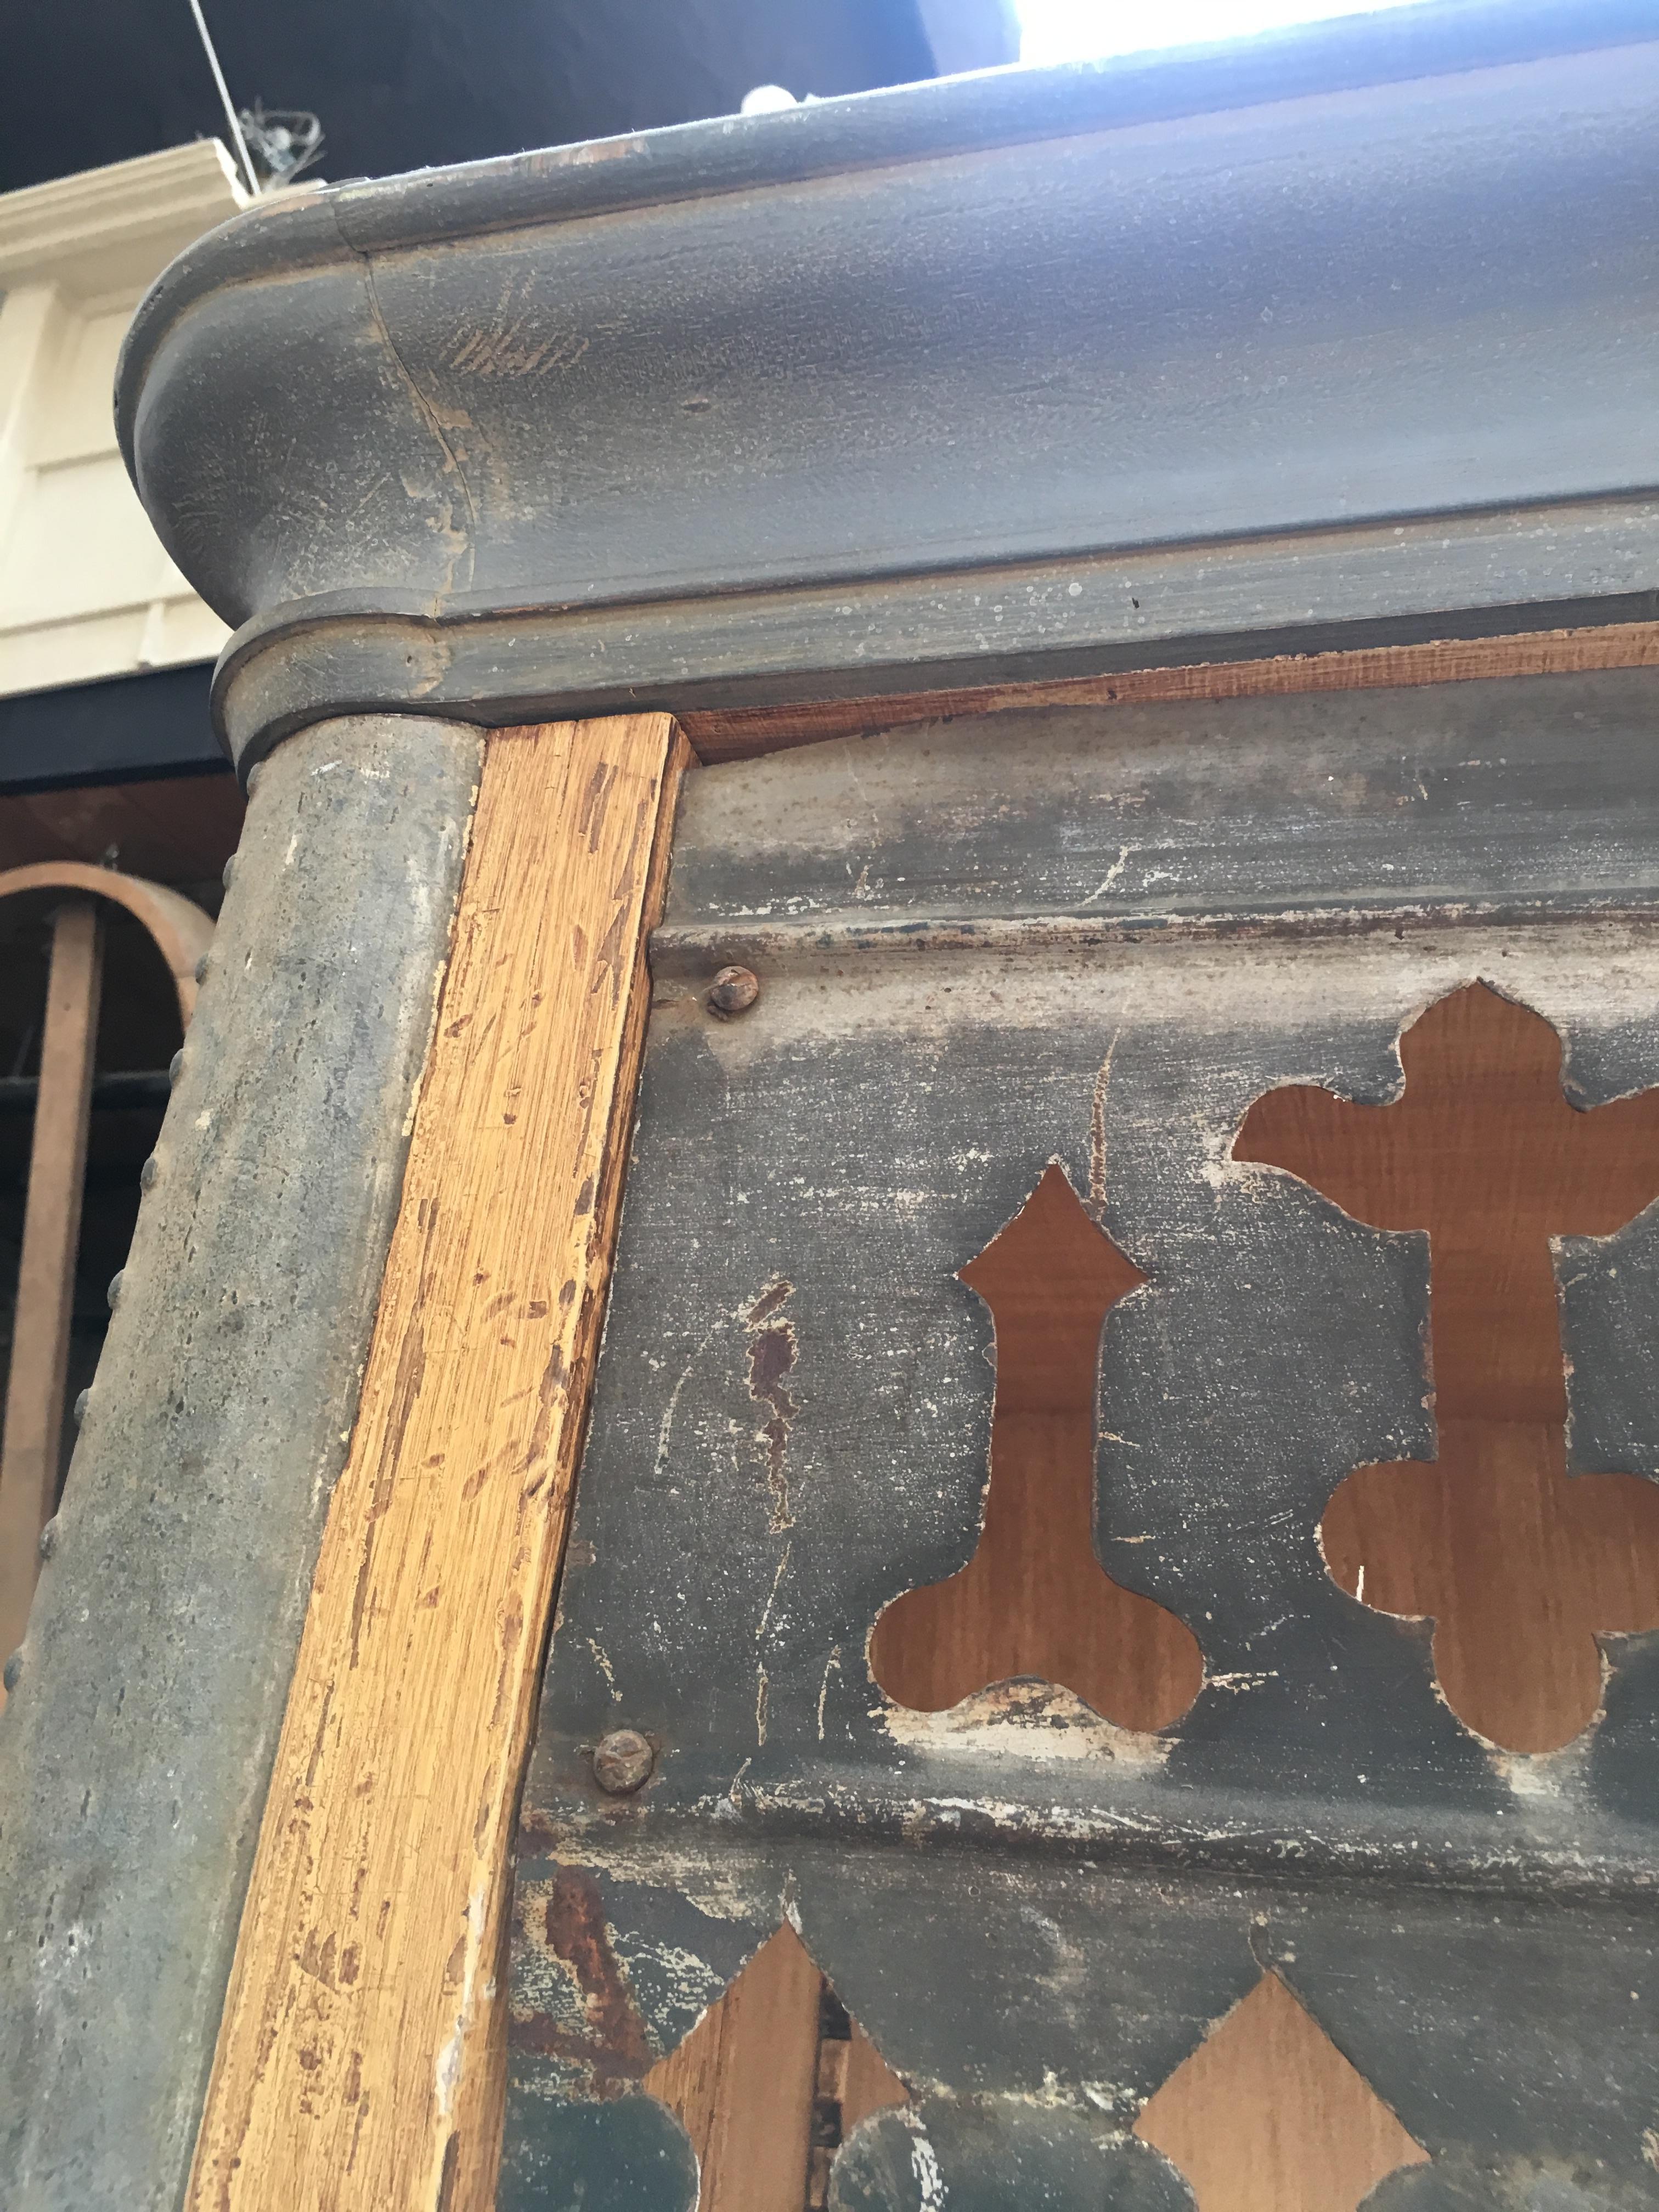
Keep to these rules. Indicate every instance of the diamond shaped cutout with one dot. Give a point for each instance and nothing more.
(1268, 2116)
(769, 2081)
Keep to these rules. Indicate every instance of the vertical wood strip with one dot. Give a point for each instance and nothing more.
(357, 2049)
(33, 1432)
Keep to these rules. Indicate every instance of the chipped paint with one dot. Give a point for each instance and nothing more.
(1023, 1720)
(935, 1024)
(588, 2018)
(772, 1354)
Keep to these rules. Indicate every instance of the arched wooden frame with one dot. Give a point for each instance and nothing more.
(31, 1444)
(179, 930)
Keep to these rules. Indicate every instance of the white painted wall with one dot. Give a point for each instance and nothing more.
(86, 590)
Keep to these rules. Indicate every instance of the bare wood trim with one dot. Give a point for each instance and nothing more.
(358, 2063)
(182, 932)
(46, 1277)
(745, 733)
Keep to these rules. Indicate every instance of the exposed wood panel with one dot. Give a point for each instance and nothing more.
(743, 2083)
(1518, 1565)
(45, 1282)
(1034, 1600)
(868, 2083)
(742, 733)
(359, 2062)
(1269, 2116)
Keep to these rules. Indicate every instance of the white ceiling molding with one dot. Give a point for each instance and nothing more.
(117, 227)
(86, 590)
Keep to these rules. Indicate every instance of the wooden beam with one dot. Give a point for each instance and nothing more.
(45, 1278)
(359, 2058)
(747, 732)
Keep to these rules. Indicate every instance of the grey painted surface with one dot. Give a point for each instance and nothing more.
(1462, 576)
(136, 1748)
(1030, 1910)
(923, 379)
(1519, 790)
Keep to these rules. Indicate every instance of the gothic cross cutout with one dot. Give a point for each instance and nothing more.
(1034, 1600)
(1519, 1564)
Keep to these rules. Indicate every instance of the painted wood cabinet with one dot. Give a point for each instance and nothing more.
(884, 1434)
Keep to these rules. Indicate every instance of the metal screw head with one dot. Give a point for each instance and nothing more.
(202, 968)
(175, 1066)
(12, 1671)
(622, 1760)
(113, 1293)
(82, 1399)
(147, 1173)
(252, 782)
(733, 991)
(48, 1538)
(227, 872)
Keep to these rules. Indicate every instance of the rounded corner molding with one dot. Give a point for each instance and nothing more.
(1041, 372)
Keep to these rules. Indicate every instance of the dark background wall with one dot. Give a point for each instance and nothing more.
(400, 84)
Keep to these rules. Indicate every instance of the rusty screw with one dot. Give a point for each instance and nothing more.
(622, 1760)
(733, 991)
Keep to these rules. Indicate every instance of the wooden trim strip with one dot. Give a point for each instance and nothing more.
(745, 733)
(359, 2062)
(46, 1277)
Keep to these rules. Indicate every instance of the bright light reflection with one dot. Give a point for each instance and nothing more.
(1083, 30)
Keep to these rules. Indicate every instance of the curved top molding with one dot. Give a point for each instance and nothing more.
(1344, 331)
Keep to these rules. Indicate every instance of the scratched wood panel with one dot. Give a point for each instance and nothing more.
(361, 2059)
(1268, 2116)
(1272, 2119)
(1312, 2123)
(745, 733)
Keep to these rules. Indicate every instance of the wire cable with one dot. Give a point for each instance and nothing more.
(231, 116)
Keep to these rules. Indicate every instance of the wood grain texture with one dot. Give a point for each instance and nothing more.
(744, 2080)
(1034, 1599)
(1518, 1563)
(29, 1458)
(745, 733)
(868, 2083)
(764, 2093)
(359, 2062)
(1269, 2116)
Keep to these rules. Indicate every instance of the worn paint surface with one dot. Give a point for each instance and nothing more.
(138, 1747)
(1025, 374)
(1037, 1918)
